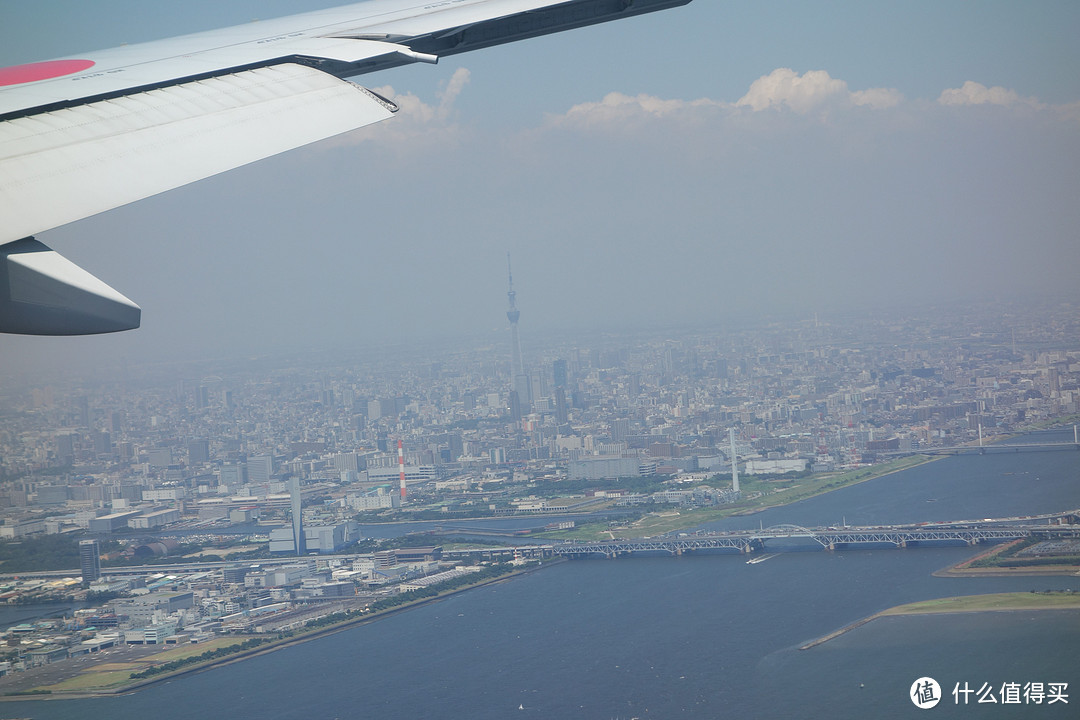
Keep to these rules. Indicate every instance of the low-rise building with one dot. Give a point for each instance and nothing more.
(108, 524)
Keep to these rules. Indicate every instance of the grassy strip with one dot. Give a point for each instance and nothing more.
(108, 676)
(995, 602)
(992, 602)
(89, 682)
(774, 494)
(205, 656)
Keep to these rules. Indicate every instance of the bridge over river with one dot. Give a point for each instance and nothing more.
(986, 449)
(994, 447)
(779, 537)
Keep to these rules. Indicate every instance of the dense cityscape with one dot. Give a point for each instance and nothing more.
(241, 462)
(775, 414)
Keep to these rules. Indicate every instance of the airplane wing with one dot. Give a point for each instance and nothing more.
(82, 135)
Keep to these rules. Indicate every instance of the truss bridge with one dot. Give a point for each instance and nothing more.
(832, 538)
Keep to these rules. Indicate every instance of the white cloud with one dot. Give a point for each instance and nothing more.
(813, 89)
(419, 112)
(624, 108)
(782, 87)
(785, 87)
(417, 124)
(877, 98)
(450, 93)
(973, 93)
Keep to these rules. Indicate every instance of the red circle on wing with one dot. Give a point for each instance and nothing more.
(19, 74)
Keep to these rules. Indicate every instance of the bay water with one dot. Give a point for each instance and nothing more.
(698, 636)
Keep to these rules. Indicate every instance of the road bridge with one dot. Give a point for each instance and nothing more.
(829, 538)
(502, 552)
(986, 449)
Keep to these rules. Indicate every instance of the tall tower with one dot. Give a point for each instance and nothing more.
(734, 462)
(519, 381)
(89, 561)
(401, 468)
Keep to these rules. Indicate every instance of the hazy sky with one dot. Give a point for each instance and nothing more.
(712, 161)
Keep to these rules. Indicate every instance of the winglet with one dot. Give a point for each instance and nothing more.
(44, 293)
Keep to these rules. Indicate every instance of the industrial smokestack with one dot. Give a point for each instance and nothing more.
(401, 468)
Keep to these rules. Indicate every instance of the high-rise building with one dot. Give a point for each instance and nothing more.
(198, 451)
(515, 407)
(260, 469)
(620, 428)
(452, 443)
(537, 386)
(65, 449)
(519, 381)
(559, 373)
(82, 410)
(89, 561)
(159, 457)
(374, 410)
(233, 475)
(349, 462)
(561, 413)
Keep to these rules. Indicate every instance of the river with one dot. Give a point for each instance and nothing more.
(692, 637)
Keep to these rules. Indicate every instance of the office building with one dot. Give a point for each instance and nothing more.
(89, 561)
(260, 469)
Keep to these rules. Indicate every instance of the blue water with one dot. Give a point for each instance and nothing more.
(692, 637)
(952, 488)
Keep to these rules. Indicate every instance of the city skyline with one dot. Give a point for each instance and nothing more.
(775, 380)
(657, 441)
(774, 258)
(771, 168)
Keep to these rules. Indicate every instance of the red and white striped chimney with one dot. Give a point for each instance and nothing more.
(401, 468)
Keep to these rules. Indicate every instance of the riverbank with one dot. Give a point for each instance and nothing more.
(110, 679)
(994, 602)
(774, 493)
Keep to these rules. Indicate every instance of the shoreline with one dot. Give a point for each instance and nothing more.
(272, 646)
(754, 509)
(1033, 572)
(1020, 432)
(963, 604)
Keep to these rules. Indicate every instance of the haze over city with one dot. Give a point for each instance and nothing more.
(715, 163)
(792, 327)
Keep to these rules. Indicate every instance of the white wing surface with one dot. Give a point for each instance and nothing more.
(111, 152)
(79, 136)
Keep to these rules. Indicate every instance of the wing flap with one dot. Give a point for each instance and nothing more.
(44, 293)
(69, 164)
